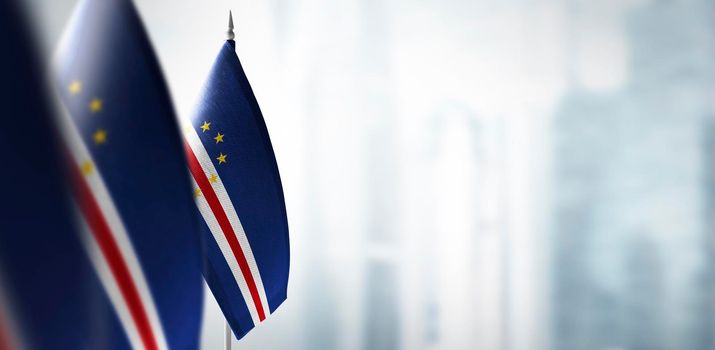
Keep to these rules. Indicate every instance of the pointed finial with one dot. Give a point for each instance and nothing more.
(230, 34)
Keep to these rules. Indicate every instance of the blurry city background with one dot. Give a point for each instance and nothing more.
(473, 174)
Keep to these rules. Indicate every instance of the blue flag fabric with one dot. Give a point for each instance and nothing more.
(130, 181)
(45, 276)
(239, 195)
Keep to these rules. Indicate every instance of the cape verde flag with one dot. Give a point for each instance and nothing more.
(46, 279)
(238, 191)
(130, 181)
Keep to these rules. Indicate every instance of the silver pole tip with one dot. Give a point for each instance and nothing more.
(230, 34)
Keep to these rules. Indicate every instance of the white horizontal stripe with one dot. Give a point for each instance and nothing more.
(227, 253)
(227, 203)
(81, 154)
(110, 286)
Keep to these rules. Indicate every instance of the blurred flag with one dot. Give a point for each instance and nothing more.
(130, 180)
(238, 191)
(45, 277)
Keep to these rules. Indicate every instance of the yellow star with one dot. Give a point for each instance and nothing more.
(87, 168)
(197, 192)
(75, 87)
(213, 178)
(96, 105)
(219, 137)
(100, 136)
(221, 158)
(205, 126)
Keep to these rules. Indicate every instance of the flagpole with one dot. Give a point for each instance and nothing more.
(230, 35)
(227, 336)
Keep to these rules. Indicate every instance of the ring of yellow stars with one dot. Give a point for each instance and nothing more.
(206, 126)
(99, 136)
(75, 87)
(221, 158)
(96, 105)
(197, 192)
(219, 137)
(213, 178)
(87, 167)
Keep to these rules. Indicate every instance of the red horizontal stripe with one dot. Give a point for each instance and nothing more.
(218, 211)
(5, 343)
(110, 249)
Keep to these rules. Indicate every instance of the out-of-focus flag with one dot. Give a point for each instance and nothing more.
(130, 181)
(46, 279)
(238, 191)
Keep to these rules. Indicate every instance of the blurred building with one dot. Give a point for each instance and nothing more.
(631, 267)
(382, 314)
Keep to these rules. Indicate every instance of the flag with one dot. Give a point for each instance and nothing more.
(45, 277)
(239, 194)
(129, 180)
